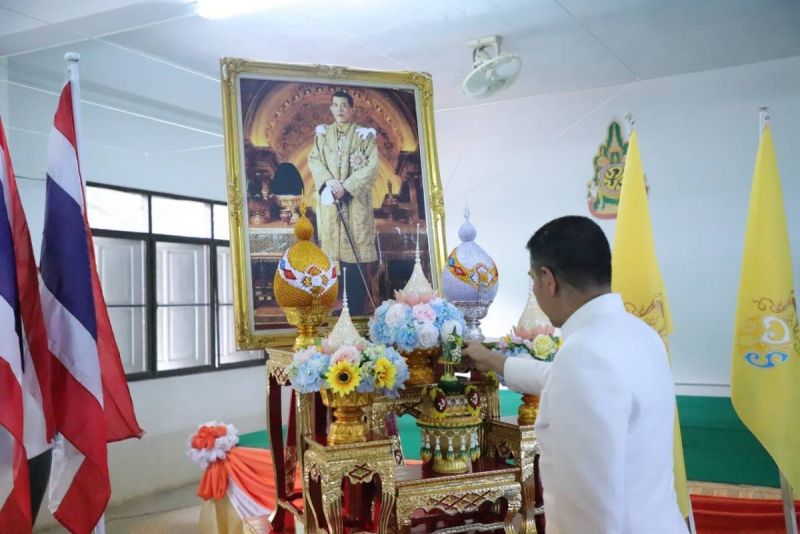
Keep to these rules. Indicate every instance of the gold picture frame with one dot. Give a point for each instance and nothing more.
(268, 111)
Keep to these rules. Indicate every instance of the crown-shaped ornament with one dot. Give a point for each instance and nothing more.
(470, 274)
(344, 332)
(469, 279)
(306, 283)
(418, 289)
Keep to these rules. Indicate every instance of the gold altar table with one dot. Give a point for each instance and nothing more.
(463, 496)
(508, 440)
(410, 495)
(327, 467)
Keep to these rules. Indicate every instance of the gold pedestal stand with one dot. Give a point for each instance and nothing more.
(307, 320)
(349, 426)
(420, 365)
(328, 466)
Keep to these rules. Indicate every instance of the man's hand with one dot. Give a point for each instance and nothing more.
(337, 188)
(484, 358)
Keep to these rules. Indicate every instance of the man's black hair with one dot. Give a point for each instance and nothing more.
(575, 249)
(343, 94)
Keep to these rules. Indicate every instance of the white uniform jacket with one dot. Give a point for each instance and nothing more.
(605, 425)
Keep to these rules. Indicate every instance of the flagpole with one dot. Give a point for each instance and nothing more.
(789, 514)
(630, 126)
(72, 59)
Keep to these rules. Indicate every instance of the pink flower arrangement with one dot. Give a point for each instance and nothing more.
(346, 353)
(424, 313)
(412, 299)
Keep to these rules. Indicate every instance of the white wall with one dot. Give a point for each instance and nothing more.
(523, 162)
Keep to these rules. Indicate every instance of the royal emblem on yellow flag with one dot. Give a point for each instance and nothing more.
(636, 277)
(765, 373)
(603, 190)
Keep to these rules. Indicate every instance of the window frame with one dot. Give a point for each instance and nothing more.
(150, 240)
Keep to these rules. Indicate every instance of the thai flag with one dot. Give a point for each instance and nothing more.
(15, 506)
(93, 405)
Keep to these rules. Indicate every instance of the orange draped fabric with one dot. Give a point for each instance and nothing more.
(725, 515)
(250, 469)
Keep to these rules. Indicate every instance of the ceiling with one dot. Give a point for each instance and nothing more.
(157, 61)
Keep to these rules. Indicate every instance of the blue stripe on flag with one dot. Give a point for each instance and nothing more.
(8, 267)
(65, 256)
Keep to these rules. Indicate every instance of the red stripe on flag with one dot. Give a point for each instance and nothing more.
(15, 514)
(63, 120)
(85, 501)
(28, 285)
(121, 420)
(80, 419)
(80, 416)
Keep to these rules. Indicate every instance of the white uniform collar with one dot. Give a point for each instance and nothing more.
(609, 302)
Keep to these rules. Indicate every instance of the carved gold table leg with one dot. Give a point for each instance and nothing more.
(387, 507)
(514, 502)
(528, 525)
(332, 502)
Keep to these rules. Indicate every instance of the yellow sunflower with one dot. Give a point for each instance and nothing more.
(343, 377)
(385, 373)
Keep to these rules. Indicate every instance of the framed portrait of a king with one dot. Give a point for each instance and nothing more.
(356, 150)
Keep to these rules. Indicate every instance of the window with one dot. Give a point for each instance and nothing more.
(165, 267)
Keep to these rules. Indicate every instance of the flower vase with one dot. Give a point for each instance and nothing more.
(420, 365)
(348, 414)
(528, 410)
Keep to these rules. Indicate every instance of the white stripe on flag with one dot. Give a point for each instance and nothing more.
(9, 340)
(35, 425)
(66, 462)
(7, 444)
(72, 344)
(62, 165)
(5, 181)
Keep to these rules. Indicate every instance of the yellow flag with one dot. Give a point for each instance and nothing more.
(636, 276)
(765, 374)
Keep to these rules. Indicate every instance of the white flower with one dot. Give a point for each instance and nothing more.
(449, 326)
(428, 335)
(364, 133)
(320, 129)
(396, 315)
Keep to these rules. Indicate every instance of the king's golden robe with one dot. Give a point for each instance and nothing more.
(348, 154)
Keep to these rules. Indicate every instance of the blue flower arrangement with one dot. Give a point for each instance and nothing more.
(421, 325)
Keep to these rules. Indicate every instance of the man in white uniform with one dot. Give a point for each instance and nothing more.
(607, 401)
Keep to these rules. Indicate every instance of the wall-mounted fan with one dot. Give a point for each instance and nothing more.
(492, 71)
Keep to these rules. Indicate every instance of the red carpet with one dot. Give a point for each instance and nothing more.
(723, 515)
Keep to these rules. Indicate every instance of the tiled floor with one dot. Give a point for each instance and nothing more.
(169, 512)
